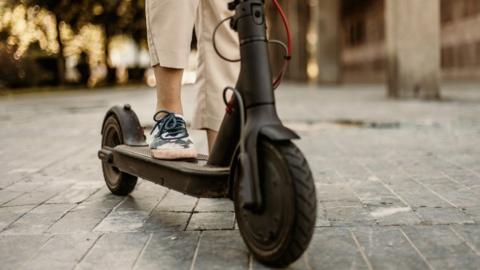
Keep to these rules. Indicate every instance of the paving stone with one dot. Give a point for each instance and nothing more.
(334, 248)
(459, 195)
(166, 221)
(418, 197)
(8, 195)
(322, 220)
(347, 216)
(392, 216)
(87, 215)
(134, 210)
(363, 175)
(442, 248)
(214, 205)
(473, 213)
(62, 251)
(438, 216)
(211, 221)
(387, 248)
(169, 250)
(124, 221)
(337, 195)
(176, 201)
(35, 197)
(115, 251)
(144, 198)
(76, 193)
(16, 249)
(464, 177)
(39, 219)
(221, 250)
(372, 192)
(9, 214)
(471, 235)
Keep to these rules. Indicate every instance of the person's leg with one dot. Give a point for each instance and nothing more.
(169, 40)
(169, 83)
(214, 74)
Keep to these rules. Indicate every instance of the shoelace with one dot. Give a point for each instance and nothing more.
(170, 124)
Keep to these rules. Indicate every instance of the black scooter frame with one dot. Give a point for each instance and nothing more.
(214, 177)
(255, 85)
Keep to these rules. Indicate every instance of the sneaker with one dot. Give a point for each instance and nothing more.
(170, 137)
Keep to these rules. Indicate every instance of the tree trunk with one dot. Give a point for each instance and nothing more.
(60, 54)
(111, 71)
(106, 47)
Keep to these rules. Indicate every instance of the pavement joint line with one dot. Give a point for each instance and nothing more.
(38, 250)
(29, 211)
(429, 189)
(62, 216)
(50, 164)
(109, 212)
(157, 204)
(211, 230)
(21, 194)
(195, 254)
(457, 165)
(416, 249)
(191, 214)
(361, 250)
(84, 255)
(385, 185)
(455, 181)
(472, 247)
(368, 170)
(142, 251)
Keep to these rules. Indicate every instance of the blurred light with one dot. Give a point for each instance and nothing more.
(312, 37)
(312, 70)
(97, 9)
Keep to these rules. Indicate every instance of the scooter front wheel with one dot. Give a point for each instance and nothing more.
(280, 232)
(119, 183)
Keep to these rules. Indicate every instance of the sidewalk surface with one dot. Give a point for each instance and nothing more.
(398, 186)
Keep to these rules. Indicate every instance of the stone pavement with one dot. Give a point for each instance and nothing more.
(398, 186)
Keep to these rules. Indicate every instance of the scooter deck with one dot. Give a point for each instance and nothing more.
(192, 177)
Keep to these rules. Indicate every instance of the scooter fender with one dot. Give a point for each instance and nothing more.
(278, 133)
(263, 123)
(132, 131)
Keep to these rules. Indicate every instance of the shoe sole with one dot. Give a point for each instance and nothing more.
(174, 154)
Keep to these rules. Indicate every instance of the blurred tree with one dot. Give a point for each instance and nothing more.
(70, 12)
(119, 17)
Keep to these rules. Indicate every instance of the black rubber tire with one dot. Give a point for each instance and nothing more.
(297, 204)
(119, 183)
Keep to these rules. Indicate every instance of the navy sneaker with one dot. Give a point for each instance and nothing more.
(170, 137)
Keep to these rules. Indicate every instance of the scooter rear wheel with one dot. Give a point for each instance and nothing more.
(119, 183)
(279, 233)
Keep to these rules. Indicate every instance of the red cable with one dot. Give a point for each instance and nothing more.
(277, 80)
(285, 24)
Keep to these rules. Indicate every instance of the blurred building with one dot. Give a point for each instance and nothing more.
(412, 45)
(364, 46)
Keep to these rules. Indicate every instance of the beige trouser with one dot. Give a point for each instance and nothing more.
(170, 25)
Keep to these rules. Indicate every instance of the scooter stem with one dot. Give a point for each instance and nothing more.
(255, 85)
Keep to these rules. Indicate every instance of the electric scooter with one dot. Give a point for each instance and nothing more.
(253, 161)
